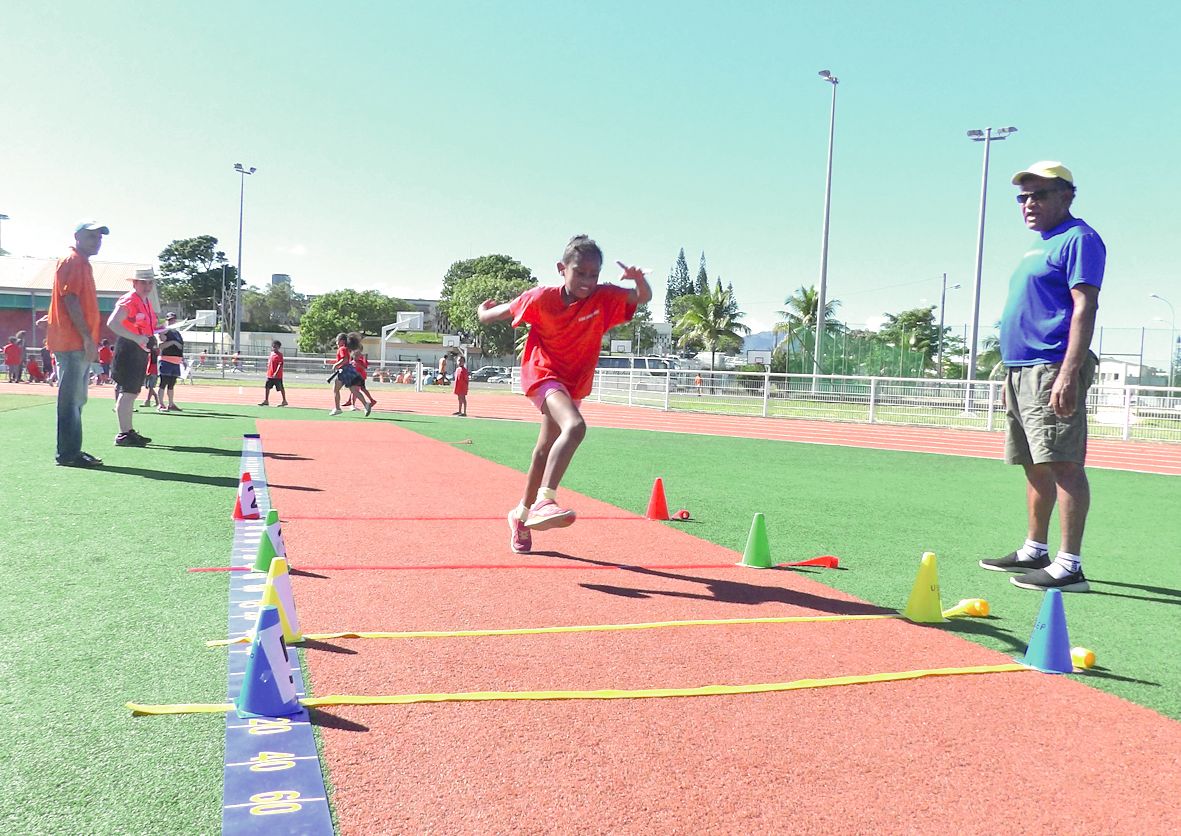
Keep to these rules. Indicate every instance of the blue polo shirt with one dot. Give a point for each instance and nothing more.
(1036, 322)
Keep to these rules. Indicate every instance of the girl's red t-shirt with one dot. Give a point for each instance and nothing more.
(565, 339)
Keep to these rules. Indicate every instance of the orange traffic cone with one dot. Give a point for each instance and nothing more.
(246, 505)
(657, 507)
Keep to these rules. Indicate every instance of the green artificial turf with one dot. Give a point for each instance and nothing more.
(98, 610)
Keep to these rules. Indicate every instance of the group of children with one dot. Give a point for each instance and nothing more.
(350, 372)
(14, 359)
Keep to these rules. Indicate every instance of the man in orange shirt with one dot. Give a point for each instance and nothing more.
(73, 331)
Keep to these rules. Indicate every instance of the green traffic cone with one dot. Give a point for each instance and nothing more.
(270, 544)
(758, 550)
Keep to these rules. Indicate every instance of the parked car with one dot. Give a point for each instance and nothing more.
(486, 373)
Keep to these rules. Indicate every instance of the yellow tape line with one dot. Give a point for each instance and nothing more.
(529, 631)
(485, 696)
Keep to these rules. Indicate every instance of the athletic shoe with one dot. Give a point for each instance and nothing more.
(334, 411)
(264, 403)
(1010, 563)
(82, 460)
(520, 539)
(1043, 580)
(283, 404)
(368, 409)
(173, 408)
(162, 409)
(131, 439)
(546, 514)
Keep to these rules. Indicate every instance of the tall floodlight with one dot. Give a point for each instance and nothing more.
(2, 219)
(243, 171)
(987, 137)
(1172, 333)
(942, 305)
(822, 290)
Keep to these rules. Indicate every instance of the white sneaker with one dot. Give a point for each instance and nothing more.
(334, 412)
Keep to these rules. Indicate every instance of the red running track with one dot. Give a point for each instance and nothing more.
(1138, 456)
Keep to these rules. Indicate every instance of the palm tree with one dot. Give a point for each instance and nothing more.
(800, 317)
(712, 318)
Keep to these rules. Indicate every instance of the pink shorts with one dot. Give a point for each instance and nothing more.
(546, 388)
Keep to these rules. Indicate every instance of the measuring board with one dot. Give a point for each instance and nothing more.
(273, 782)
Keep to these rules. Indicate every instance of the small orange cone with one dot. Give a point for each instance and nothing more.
(657, 507)
(246, 505)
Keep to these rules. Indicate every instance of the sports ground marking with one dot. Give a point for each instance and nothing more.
(271, 765)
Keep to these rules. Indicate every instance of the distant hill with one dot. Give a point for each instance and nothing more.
(762, 341)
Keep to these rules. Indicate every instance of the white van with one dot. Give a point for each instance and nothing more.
(647, 365)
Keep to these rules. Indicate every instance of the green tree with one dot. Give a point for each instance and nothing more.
(491, 266)
(702, 284)
(688, 343)
(915, 330)
(276, 308)
(712, 319)
(191, 275)
(678, 285)
(798, 320)
(466, 295)
(346, 310)
(639, 331)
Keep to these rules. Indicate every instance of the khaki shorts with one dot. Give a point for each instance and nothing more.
(1033, 433)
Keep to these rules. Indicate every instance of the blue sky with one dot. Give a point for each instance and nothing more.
(392, 139)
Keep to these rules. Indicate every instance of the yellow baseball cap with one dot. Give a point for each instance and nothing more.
(1049, 169)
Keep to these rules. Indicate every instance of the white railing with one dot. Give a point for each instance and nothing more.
(1122, 412)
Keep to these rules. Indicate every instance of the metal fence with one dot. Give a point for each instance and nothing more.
(1150, 413)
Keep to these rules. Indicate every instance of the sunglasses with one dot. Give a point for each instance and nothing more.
(1039, 195)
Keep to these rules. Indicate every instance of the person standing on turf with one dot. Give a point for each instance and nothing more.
(1046, 331)
(172, 354)
(73, 328)
(274, 375)
(567, 324)
(134, 322)
(461, 384)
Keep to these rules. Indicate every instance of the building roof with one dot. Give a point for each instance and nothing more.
(36, 274)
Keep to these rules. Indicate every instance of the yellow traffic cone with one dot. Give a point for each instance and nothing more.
(278, 595)
(923, 606)
(970, 607)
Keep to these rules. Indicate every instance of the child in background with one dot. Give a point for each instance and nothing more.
(567, 324)
(12, 358)
(460, 387)
(361, 364)
(105, 355)
(348, 376)
(274, 375)
(153, 372)
(34, 370)
(342, 353)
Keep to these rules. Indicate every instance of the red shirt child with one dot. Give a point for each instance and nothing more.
(461, 380)
(105, 353)
(275, 364)
(12, 354)
(565, 339)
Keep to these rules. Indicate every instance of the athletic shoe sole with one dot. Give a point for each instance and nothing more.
(559, 520)
(1079, 585)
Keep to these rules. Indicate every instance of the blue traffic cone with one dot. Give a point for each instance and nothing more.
(1049, 646)
(268, 688)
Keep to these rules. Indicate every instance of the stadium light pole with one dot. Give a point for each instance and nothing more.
(243, 171)
(987, 137)
(2, 219)
(1172, 333)
(942, 305)
(822, 290)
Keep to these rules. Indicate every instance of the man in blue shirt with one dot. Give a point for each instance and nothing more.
(1046, 334)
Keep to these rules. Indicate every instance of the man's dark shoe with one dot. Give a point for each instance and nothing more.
(1010, 563)
(1043, 580)
(82, 460)
(131, 439)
